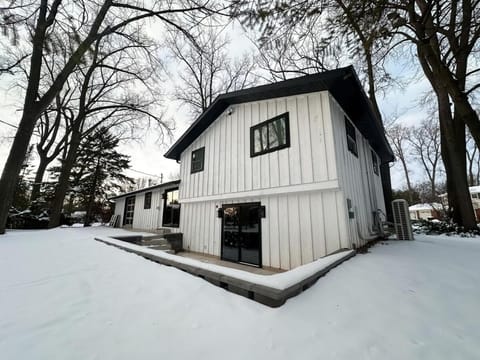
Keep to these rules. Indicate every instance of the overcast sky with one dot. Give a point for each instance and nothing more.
(147, 155)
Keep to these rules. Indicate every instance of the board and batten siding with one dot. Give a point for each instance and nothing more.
(305, 211)
(228, 167)
(148, 219)
(120, 208)
(357, 179)
(145, 219)
(298, 228)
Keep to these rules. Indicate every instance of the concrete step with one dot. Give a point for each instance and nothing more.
(163, 231)
(152, 237)
(157, 241)
(159, 247)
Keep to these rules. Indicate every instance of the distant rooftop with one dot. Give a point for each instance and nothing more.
(419, 207)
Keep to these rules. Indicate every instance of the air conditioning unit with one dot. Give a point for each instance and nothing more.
(401, 219)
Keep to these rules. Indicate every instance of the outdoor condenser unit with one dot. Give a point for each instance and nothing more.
(401, 218)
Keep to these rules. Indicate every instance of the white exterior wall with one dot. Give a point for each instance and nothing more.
(145, 219)
(229, 168)
(120, 208)
(305, 211)
(420, 214)
(298, 228)
(357, 179)
(148, 219)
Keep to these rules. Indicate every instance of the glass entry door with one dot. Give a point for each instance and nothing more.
(129, 210)
(241, 233)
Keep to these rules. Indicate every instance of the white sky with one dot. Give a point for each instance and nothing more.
(147, 155)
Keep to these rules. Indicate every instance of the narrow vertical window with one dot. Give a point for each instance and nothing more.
(198, 157)
(147, 203)
(374, 162)
(351, 137)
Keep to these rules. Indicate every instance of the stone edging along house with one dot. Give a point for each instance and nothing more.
(279, 175)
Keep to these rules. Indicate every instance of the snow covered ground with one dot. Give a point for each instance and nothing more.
(65, 296)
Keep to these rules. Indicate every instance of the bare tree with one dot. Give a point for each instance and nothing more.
(399, 136)
(425, 146)
(7, 67)
(473, 161)
(303, 37)
(298, 53)
(445, 36)
(78, 25)
(105, 98)
(207, 70)
(443, 33)
(52, 136)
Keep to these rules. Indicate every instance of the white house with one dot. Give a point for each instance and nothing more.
(150, 208)
(282, 174)
(425, 211)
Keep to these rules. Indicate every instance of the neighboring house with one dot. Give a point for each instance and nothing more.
(280, 175)
(151, 208)
(425, 211)
(474, 195)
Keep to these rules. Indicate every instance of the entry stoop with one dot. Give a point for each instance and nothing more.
(155, 242)
(158, 244)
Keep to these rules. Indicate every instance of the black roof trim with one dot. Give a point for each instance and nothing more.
(342, 83)
(167, 184)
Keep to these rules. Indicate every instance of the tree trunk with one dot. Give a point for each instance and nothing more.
(407, 178)
(13, 166)
(452, 133)
(63, 181)
(471, 159)
(37, 186)
(453, 153)
(434, 186)
(91, 196)
(33, 107)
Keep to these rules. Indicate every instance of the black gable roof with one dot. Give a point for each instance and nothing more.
(342, 83)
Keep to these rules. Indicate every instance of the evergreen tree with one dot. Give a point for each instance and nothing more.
(97, 172)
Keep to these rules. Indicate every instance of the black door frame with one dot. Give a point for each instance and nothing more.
(164, 197)
(258, 204)
(125, 209)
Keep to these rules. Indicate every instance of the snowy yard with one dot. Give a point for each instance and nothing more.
(65, 296)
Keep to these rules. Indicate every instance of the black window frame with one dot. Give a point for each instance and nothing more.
(194, 152)
(147, 204)
(375, 162)
(170, 211)
(351, 133)
(285, 116)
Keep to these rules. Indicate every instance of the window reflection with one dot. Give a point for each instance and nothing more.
(171, 209)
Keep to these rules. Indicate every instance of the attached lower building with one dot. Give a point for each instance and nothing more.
(150, 208)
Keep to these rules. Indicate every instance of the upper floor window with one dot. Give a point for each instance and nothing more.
(147, 202)
(374, 162)
(270, 135)
(351, 137)
(198, 157)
